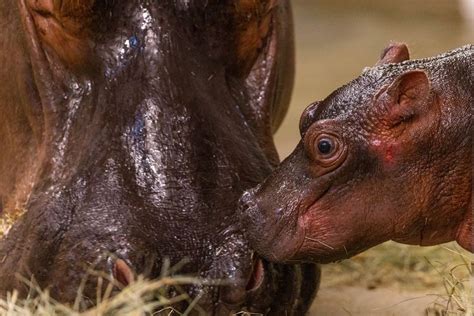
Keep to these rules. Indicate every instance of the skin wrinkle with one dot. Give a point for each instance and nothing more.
(423, 215)
(38, 58)
(300, 209)
(431, 161)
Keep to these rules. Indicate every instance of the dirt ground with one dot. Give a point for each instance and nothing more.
(352, 300)
(398, 280)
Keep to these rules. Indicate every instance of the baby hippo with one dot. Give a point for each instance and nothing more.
(388, 156)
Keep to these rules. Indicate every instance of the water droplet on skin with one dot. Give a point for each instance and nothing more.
(376, 142)
(133, 41)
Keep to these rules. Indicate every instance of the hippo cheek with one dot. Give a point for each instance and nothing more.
(321, 242)
(335, 231)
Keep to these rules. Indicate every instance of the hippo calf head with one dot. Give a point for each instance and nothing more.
(387, 156)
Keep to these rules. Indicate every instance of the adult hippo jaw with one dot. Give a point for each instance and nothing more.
(386, 157)
(128, 132)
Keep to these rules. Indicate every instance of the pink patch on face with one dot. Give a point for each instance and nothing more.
(385, 151)
(389, 154)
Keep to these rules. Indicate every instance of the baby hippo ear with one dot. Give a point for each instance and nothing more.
(123, 273)
(406, 98)
(394, 53)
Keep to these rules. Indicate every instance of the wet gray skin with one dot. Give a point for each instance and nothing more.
(129, 130)
(388, 156)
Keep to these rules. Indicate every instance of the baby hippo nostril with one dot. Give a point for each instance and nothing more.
(247, 201)
(246, 208)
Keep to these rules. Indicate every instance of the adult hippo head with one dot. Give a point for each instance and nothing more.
(129, 130)
(387, 156)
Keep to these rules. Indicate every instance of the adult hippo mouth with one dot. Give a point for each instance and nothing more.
(257, 276)
(131, 129)
(234, 297)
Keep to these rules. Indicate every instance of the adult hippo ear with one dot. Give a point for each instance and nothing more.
(62, 27)
(264, 58)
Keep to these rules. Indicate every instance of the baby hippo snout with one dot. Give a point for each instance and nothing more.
(270, 233)
(254, 224)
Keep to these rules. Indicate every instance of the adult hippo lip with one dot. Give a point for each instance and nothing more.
(129, 130)
(387, 156)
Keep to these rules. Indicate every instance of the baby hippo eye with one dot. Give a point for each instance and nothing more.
(326, 149)
(325, 146)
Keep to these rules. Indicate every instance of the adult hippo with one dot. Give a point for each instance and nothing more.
(129, 130)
